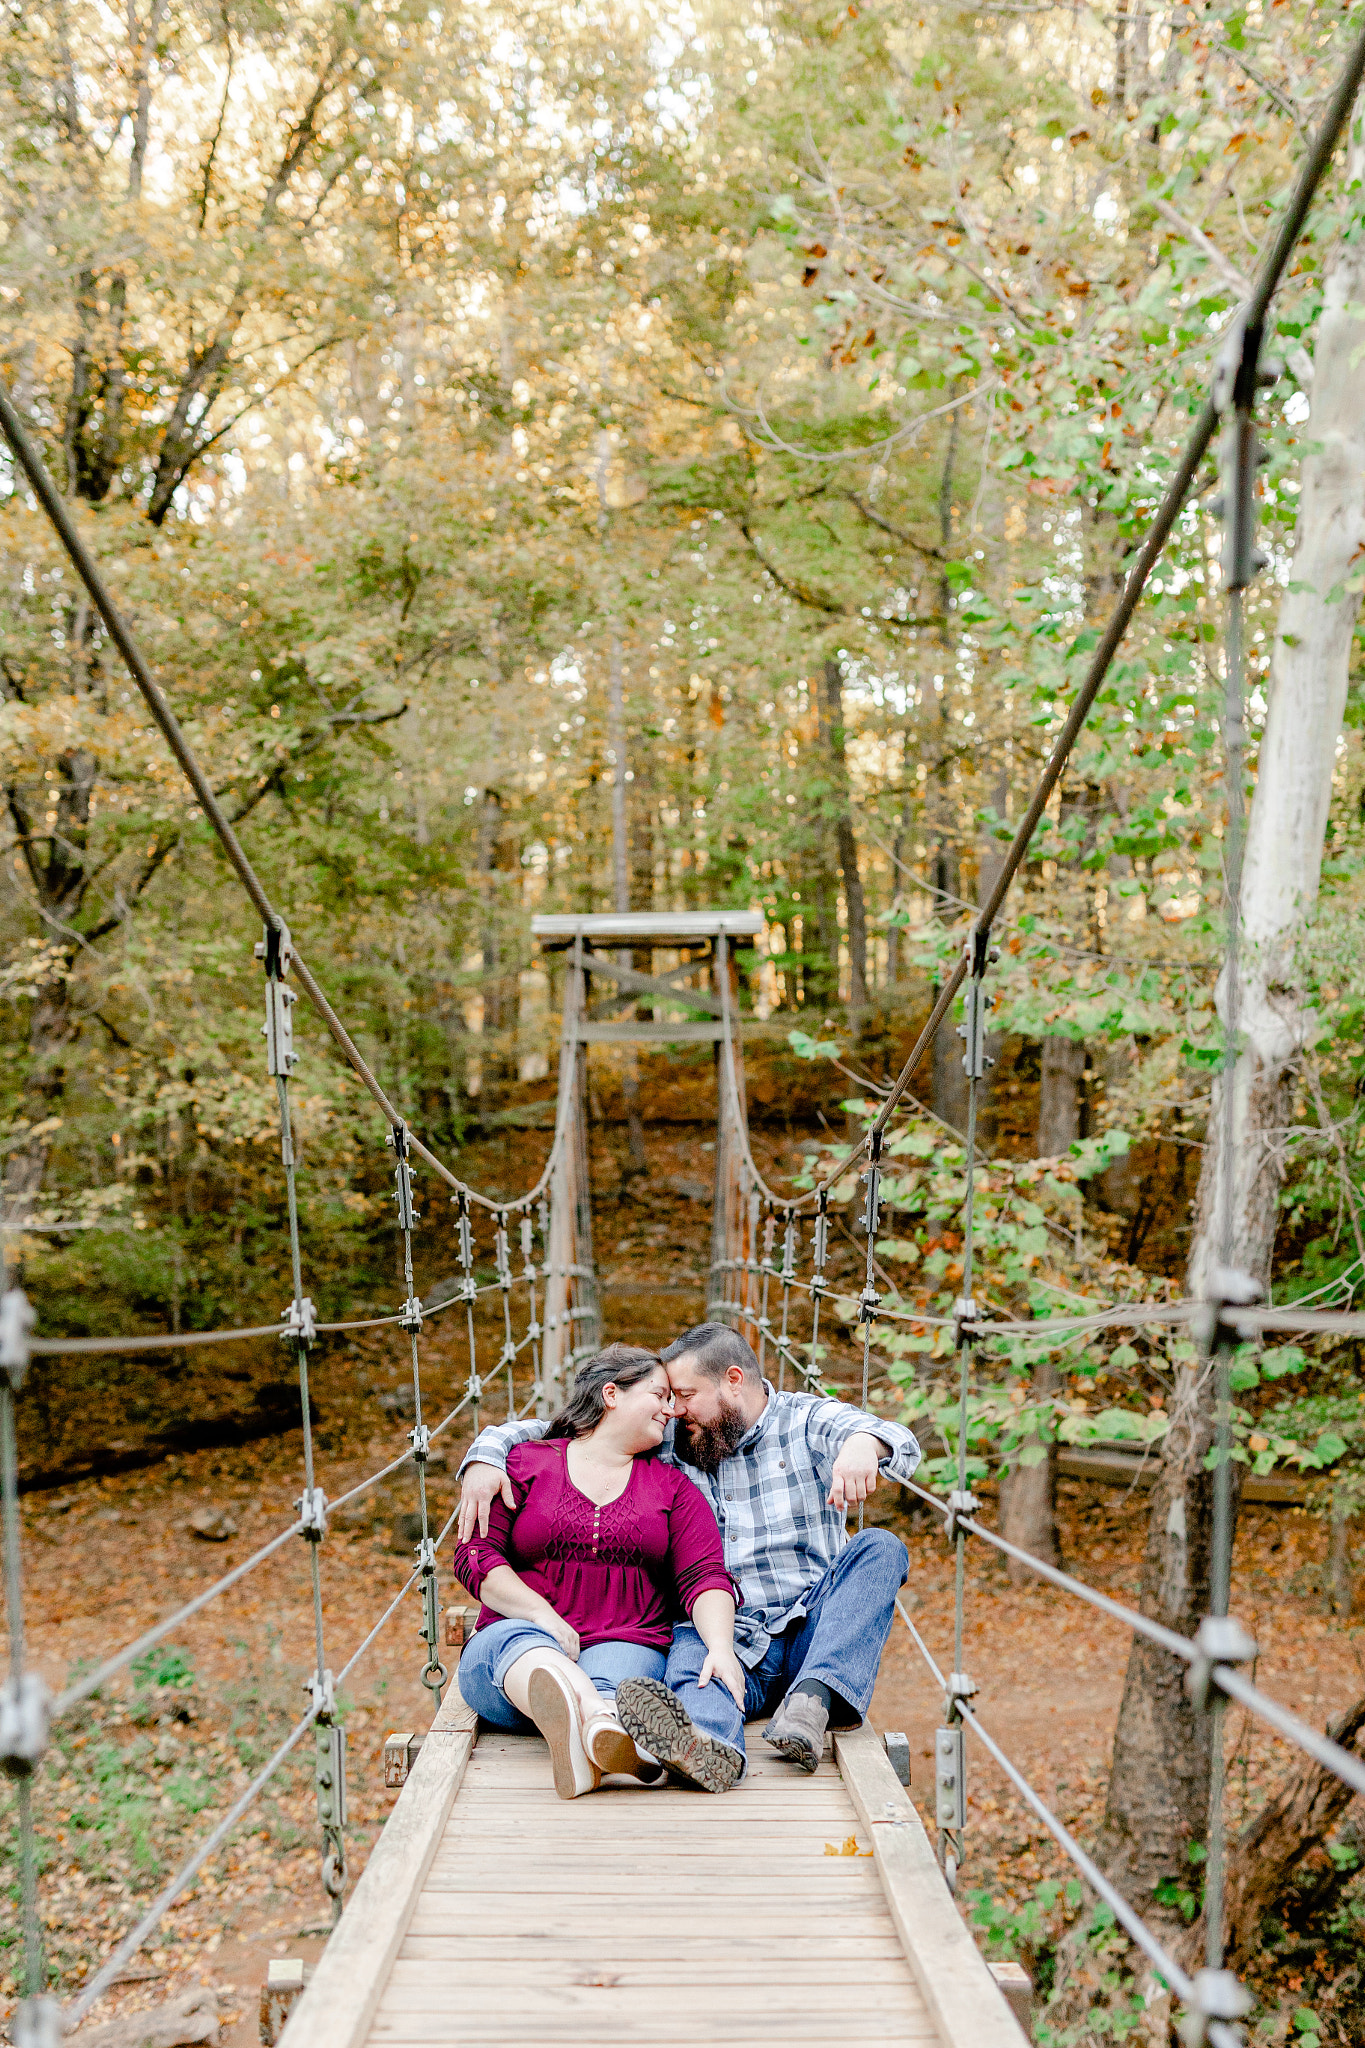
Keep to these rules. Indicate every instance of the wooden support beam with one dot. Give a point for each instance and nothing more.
(652, 984)
(964, 2001)
(659, 1032)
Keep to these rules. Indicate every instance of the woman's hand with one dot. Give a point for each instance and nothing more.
(555, 1625)
(725, 1665)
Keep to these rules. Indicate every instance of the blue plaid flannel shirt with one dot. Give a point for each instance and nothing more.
(769, 1498)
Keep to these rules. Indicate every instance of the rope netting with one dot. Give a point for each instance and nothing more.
(750, 1221)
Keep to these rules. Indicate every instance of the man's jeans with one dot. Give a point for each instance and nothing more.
(839, 1640)
(492, 1651)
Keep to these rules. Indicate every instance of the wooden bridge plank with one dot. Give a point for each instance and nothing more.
(348, 1983)
(959, 1991)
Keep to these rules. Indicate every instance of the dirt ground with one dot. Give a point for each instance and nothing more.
(137, 1776)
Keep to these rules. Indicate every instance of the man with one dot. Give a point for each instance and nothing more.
(780, 1472)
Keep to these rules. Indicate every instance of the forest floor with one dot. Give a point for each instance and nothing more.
(136, 1776)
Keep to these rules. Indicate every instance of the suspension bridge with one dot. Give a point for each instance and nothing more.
(488, 1911)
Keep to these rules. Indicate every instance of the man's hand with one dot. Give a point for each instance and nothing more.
(725, 1665)
(855, 1470)
(482, 1485)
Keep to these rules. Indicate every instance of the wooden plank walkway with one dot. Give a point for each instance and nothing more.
(492, 1912)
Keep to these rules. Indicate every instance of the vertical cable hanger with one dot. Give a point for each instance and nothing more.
(869, 1301)
(469, 1294)
(1237, 376)
(434, 1673)
(276, 951)
(530, 1275)
(786, 1276)
(949, 1746)
(508, 1354)
(819, 1253)
(766, 1269)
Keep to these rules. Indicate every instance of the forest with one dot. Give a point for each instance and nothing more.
(606, 456)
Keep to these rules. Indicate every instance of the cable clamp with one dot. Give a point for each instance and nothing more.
(959, 1506)
(1219, 1995)
(419, 1436)
(533, 1332)
(426, 1555)
(765, 1326)
(300, 1320)
(321, 1690)
(17, 1317)
(1228, 1289)
(411, 1318)
(37, 2023)
(817, 1286)
(312, 1507)
(969, 1324)
(869, 1301)
(468, 1289)
(474, 1388)
(1219, 1639)
(25, 1716)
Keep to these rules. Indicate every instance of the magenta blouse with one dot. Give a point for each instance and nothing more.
(623, 1573)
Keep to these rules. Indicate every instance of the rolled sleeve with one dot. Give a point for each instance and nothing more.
(491, 1445)
(831, 1424)
(695, 1550)
(473, 1561)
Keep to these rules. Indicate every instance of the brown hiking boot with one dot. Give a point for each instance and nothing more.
(797, 1730)
(656, 1720)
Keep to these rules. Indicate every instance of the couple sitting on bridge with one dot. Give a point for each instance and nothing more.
(667, 1485)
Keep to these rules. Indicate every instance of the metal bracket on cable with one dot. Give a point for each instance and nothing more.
(468, 1290)
(411, 1318)
(38, 2023)
(976, 1004)
(276, 949)
(17, 1317)
(788, 1273)
(25, 1717)
(321, 1690)
(312, 1507)
(419, 1436)
(402, 1176)
(821, 1245)
(1219, 1640)
(1219, 1995)
(969, 1325)
(869, 1301)
(1237, 375)
(528, 1246)
(500, 1253)
(300, 1320)
(769, 1232)
(960, 1505)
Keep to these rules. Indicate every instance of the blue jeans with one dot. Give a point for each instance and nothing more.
(486, 1660)
(839, 1640)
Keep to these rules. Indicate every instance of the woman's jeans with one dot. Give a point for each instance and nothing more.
(490, 1655)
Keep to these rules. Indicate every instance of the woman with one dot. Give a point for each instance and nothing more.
(582, 1580)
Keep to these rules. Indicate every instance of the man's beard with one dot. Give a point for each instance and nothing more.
(708, 1444)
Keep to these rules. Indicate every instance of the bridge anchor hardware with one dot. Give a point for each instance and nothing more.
(950, 1778)
(300, 1321)
(1219, 1640)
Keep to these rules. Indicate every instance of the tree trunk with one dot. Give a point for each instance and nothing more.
(1060, 1098)
(1299, 1814)
(1028, 1493)
(1158, 1788)
(845, 842)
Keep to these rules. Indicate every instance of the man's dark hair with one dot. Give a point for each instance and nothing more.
(716, 1348)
